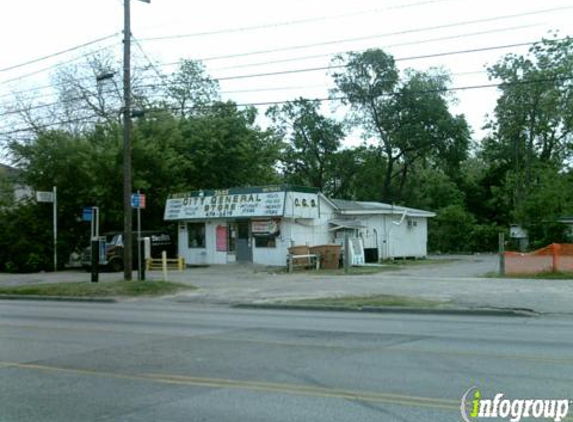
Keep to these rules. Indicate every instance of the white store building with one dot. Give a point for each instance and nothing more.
(259, 224)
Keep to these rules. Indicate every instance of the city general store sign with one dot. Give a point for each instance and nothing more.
(235, 203)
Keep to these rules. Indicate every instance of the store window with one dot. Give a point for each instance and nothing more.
(265, 233)
(196, 235)
(265, 240)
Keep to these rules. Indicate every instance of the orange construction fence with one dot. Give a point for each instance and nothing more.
(553, 258)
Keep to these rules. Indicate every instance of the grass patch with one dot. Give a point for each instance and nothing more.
(541, 276)
(358, 302)
(107, 289)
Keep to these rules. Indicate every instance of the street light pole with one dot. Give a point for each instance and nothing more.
(127, 241)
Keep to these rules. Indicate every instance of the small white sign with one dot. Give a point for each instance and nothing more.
(264, 226)
(45, 196)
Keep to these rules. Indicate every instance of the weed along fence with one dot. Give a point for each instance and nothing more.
(557, 257)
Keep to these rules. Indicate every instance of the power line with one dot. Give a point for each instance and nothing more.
(277, 50)
(325, 99)
(383, 47)
(363, 38)
(401, 44)
(314, 69)
(40, 106)
(45, 69)
(240, 91)
(301, 46)
(316, 56)
(91, 53)
(409, 58)
(432, 55)
(390, 94)
(162, 77)
(289, 23)
(59, 53)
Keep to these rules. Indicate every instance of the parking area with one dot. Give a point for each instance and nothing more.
(457, 279)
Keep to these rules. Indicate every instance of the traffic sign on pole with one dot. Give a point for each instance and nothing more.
(138, 200)
(87, 214)
(45, 196)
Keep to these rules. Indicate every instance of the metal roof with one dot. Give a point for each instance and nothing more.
(345, 223)
(362, 207)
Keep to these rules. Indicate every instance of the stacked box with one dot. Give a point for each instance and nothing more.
(329, 255)
(300, 250)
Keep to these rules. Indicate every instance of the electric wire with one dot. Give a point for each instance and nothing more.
(395, 33)
(317, 56)
(168, 83)
(55, 66)
(297, 71)
(278, 61)
(431, 28)
(59, 53)
(324, 99)
(433, 55)
(290, 23)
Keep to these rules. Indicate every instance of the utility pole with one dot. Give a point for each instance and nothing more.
(127, 243)
(127, 229)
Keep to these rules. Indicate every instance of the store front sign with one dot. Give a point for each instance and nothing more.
(301, 205)
(226, 205)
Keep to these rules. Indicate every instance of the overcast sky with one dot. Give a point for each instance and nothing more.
(272, 36)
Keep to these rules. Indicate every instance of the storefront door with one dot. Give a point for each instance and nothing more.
(244, 245)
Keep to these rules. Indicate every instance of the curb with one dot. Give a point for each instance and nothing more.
(59, 298)
(394, 310)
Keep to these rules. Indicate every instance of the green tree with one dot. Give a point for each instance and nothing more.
(190, 90)
(409, 118)
(227, 149)
(432, 189)
(309, 155)
(58, 158)
(532, 126)
(451, 230)
(26, 238)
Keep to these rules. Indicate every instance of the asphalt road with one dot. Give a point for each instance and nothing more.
(159, 362)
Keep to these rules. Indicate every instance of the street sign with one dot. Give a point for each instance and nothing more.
(45, 196)
(138, 200)
(52, 197)
(87, 214)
